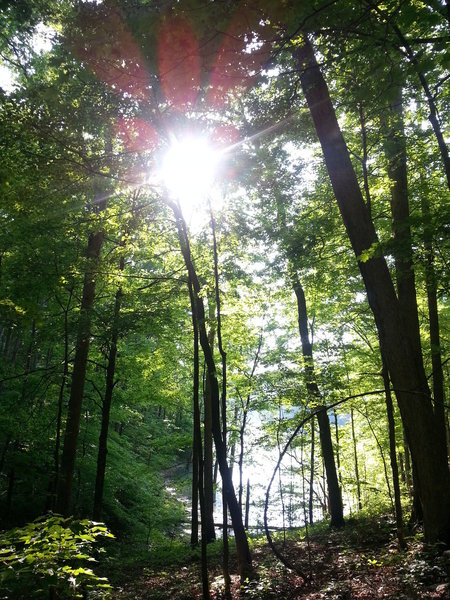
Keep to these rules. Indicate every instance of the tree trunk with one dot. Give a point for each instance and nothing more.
(311, 475)
(223, 355)
(208, 444)
(106, 407)
(355, 456)
(395, 151)
(242, 547)
(199, 454)
(433, 315)
(78, 377)
(404, 364)
(338, 452)
(53, 487)
(247, 505)
(393, 456)
(334, 494)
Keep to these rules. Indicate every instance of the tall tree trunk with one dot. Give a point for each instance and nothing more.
(338, 452)
(208, 443)
(198, 453)
(78, 376)
(223, 355)
(55, 477)
(404, 364)
(393, 457)
(395, 151)
(106, 406)
(311, 474)
(433, 315)
(334, 494)
(383, 460)
(242, 547)
(247, 505)
(194, 494)
(355, 456)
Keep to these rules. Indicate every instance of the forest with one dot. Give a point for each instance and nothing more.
(224, 299)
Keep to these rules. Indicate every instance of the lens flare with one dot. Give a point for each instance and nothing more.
(188, 170)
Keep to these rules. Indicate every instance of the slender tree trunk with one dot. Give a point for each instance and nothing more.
(223, 355)
(78, 377)
(334, 494)
(433, 315)
(208, 443)
(404, 364)
(311, 476)
(241, 450)
(54, 484)
(247, 505)
(383, 460)
(106, 406)
(408, 470)
(242, 547)
(362, 122)
(395, 151)
(355, 456)
(195, 485)
(198, 453)
(245, 409)
(338, 452)
(393, 456)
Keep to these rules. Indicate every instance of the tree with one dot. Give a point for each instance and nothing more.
(405, 367)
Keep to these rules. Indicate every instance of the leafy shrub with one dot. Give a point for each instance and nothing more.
(47, 559)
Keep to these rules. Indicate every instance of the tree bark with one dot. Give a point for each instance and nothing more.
(433, 315)
(78, 377)
(247, 505)
(311, 475)
(393, 457)
(106, 406)
(208, 444)
(198, 451)
(355, 456)
(405, 366)
(334, 494)
(242, 547)
(223, 355)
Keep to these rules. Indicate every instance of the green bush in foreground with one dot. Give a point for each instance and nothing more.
(47, 559)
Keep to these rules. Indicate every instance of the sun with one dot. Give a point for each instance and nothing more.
(188, 171)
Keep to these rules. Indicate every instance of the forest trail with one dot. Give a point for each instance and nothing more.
(361, 561)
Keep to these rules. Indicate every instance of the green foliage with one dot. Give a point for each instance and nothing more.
(49, 557)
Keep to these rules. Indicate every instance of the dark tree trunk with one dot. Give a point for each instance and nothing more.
(106, 407)
(393, 456)
(433, 315)
(355, 456)
(404, 364)
(247, 505)
(208, 444)
(395, 151)
(408, 469)
(242, 547)
(55, 478)
(334, 493)
(199, 454)
(338, 452)
(311, 474)
(223, 355)
(383, 460)
(195, 464)
(78, 377)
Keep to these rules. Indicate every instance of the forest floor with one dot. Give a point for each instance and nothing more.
(360, 561)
